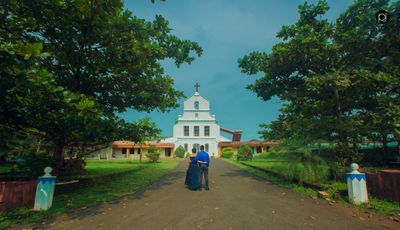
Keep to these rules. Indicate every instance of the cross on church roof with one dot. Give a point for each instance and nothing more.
(197, 86)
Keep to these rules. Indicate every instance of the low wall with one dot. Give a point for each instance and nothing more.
(16, 194)
(384, 185)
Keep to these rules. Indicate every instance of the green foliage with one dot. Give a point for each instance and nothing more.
(140, 43)
(33, 104)
(180, 152)
(334, 189)
(153, 154)
(152, 149)
(227, 152)
(298, 164)
(305, 167)
(95, 168)
(338, 80)
(73, 167)
(366, 155)
(32, 165)
(276, 180)
(138, 131)
(100, 60)
(382, 206)
(266, 155)
(244, 153)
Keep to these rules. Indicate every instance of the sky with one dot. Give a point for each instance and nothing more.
(226, 30)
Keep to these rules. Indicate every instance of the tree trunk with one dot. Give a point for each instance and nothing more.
(83, 151)
(384, 145)
(38, 146)
(355, 156)
(339, 118)
(59, 152)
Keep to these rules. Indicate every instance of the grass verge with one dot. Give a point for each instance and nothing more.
(96, 168)
(274, 179)
(102, 191)
(334, 187)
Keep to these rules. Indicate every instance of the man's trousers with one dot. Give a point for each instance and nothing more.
(203, 171)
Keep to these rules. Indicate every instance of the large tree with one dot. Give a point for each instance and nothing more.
(99, 61)
(336, 78)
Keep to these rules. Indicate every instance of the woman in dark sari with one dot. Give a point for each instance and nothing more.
(192, 174)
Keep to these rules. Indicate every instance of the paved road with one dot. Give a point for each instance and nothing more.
(236, 200)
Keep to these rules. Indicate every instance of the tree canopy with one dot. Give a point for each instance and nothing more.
(68, 68)
(339, 80)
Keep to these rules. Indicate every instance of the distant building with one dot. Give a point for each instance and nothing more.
(195, 127)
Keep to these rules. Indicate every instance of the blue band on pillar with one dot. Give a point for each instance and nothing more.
(352, 176)
(47, 180)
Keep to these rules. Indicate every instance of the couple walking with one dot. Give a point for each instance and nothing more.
(198, 168)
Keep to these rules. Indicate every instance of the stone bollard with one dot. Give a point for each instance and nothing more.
(356, 185)
(45, 190)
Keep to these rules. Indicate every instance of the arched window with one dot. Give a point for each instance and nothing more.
(196, 105)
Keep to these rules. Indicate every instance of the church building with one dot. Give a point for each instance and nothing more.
(194, 127)
(197, 126)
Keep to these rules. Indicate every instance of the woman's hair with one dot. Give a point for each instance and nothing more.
(194, 150)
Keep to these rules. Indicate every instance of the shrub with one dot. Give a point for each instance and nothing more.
(153, 154)
(303, 166)
(227, 152)
(73, 167)
(300, 165)
(263, 156)
(32, 165)
(180, 152)
(244, 153)
(153, 157)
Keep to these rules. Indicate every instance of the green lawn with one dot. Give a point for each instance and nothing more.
(103, 167)
(100, 167)
(104, 190)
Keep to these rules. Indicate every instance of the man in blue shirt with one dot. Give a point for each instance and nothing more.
(203, 159)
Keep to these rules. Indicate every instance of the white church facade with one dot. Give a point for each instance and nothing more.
(196, 126)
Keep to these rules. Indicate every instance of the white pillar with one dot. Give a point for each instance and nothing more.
(45, 190)
(356, 185)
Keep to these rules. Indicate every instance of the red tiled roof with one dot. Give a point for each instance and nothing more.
(251, 143)
(131, 144)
